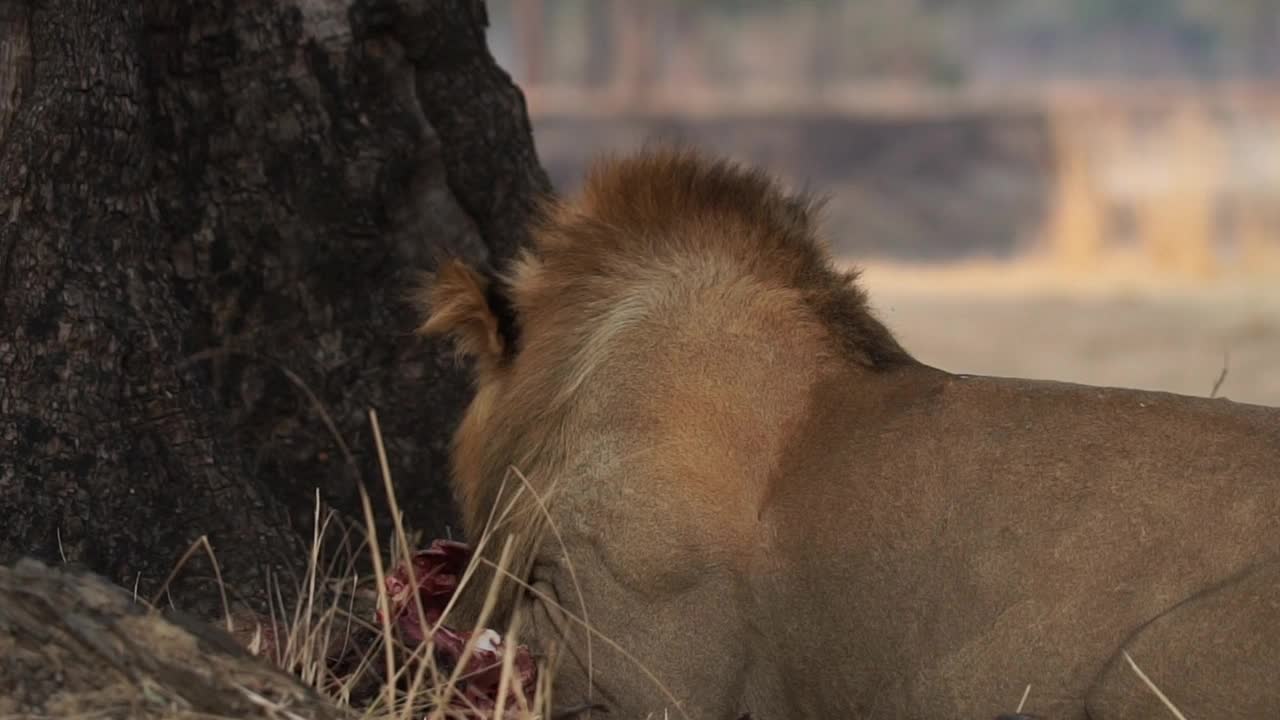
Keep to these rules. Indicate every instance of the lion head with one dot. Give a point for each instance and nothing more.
(649, 237)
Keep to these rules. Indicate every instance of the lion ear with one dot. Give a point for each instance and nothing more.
(456, 304)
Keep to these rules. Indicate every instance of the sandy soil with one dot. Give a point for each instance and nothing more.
(1125, 328)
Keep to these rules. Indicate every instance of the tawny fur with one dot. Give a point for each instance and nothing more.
(770, 504)
(457, 303)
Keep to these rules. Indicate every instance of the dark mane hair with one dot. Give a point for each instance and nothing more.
(673, 202)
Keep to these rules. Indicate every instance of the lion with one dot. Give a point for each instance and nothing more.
(718, 486)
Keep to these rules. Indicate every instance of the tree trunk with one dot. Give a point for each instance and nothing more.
(530, 21)
(600, 44)
(633, 66)
(113, 659)
(211, 214)
(15, 61)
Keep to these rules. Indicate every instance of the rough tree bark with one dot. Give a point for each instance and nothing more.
(209, 216)
(74, 645)
(15, 61)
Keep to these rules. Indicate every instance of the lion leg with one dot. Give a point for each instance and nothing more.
(1215, 655)
(652, 657)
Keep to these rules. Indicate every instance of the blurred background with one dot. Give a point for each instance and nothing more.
(1083, 190)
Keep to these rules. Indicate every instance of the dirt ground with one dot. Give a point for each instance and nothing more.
(1126, 328)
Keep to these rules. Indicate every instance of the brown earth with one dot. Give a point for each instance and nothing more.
(1127, 327)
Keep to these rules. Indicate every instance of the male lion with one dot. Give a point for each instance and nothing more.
(761, 503)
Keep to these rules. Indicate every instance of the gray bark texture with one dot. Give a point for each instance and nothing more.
(210, 215)
(75, 645)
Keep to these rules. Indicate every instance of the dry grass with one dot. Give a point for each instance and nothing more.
(1164, 699)
(339, 637)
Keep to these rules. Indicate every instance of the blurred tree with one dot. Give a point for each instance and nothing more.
(1250, 29)
(926, 40)
(1148, 12)
(530, 21)
(634, 72)
(600, 43)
